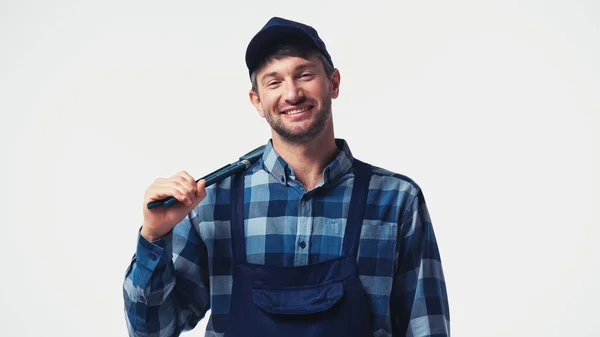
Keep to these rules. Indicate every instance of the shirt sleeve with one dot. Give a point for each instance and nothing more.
(419, 303)
(166, 287)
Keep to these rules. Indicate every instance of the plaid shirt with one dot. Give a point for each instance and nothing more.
(171, 283)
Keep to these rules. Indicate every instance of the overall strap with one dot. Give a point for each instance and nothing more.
(362, 176)
(238, 240)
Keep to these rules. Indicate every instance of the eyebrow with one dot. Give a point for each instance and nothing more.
(298, 67)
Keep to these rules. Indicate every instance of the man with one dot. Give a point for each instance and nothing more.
(309, 241)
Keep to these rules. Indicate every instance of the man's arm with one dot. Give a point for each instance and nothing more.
(166, 294)
(419, 303)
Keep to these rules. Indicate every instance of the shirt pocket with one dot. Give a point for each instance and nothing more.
(326, 240)
(377, 256)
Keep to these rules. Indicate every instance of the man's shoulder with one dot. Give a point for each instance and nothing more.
(384, 178)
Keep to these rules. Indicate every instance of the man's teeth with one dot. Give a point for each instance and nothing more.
(296, 111)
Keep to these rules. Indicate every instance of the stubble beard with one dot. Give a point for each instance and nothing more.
(321, 118)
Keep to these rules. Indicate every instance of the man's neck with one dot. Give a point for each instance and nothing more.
(308, 159)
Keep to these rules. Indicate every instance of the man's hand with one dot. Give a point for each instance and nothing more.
(159, 221)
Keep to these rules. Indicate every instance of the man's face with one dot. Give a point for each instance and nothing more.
(294, 96)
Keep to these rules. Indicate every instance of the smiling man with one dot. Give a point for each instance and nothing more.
(309, 241)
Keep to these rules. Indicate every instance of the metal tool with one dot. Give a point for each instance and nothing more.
(241, 165)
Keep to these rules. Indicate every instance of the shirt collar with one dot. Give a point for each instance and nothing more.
(282, 171)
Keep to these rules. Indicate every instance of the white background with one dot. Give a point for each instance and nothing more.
(491, 106)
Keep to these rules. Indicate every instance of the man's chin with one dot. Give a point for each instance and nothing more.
(298, 133)
(302, 137)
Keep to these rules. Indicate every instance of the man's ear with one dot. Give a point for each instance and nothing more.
(255, 100)
(335, 83)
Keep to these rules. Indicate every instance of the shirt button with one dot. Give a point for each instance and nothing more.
(302, 244)
(152, 257)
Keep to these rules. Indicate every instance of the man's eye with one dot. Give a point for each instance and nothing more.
(272, 83)
(306, 75)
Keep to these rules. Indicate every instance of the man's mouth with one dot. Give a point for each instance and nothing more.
(297, 110)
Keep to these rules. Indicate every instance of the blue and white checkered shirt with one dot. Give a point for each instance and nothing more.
(172, 282)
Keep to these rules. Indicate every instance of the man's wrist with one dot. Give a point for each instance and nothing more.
(150, 235)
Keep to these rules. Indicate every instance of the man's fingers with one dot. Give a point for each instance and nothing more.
(181, 182)
(182, 186)
(177, 191)
(188, 181)
(200, 188)
(186, 187)
(187, 177)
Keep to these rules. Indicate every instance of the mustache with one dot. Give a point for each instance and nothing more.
(297, 102)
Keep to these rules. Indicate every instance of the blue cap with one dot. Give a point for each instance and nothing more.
(278, 31)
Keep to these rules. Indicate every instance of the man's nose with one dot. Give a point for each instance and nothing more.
(294, 93)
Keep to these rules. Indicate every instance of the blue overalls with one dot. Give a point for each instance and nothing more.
(322, 299)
